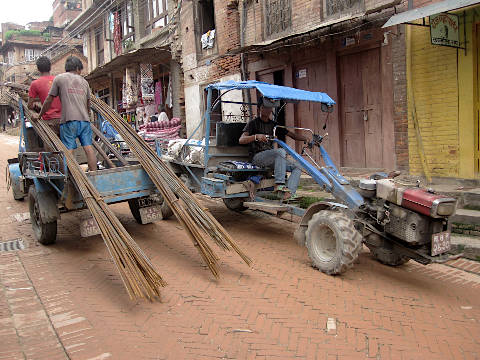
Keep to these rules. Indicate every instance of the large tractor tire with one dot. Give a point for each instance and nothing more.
(387, 256)
(235, 204)
(332, 241)
(44, 232)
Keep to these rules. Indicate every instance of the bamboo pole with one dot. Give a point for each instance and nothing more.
(196, 219)
(110, 147)
(103, 154)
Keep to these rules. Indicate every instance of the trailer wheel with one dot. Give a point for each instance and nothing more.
(13, 179)
(387, 256)
(332, 242)
(235, 204)
(45, 233)
(135, 210)
(166, 210)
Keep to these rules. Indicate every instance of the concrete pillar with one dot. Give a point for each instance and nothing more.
(3, 116)
(176, 77)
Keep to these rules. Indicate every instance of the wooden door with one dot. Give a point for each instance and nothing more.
(360, 114)
(311, 77)
(353, 133)
(372, 110)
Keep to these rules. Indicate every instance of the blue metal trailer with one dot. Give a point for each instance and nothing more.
(43, 177)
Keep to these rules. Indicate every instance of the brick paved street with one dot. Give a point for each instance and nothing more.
(67, 301)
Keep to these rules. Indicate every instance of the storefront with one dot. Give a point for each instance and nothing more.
(138, 85)
(443, 44)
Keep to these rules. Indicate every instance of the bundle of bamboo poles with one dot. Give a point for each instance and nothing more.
(136, 271)
(196, 219)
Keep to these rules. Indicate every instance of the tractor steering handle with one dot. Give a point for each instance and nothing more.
(316, 140)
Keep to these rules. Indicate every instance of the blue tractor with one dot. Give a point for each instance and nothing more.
(397, 223)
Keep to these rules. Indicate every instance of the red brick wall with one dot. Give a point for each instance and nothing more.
(61, 15)
(400, 117)
(58, 66)
(208, 66)
(306, 15)
(227, 23)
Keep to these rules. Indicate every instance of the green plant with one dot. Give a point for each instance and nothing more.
(127, 44)
(306, 201)
(472, 207)
(10, 33)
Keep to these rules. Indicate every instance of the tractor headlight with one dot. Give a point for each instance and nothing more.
(444, 207)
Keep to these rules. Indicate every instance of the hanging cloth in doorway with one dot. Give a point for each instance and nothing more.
(169, 100)
(148, 90)
(124, 91)
(131, 87)
(117, 33)
(158, 93)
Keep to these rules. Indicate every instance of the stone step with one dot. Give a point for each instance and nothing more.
(466, 222)
(468, 245)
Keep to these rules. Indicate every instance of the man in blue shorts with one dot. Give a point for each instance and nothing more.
(74, 94)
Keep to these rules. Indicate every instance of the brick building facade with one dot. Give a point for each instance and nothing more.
(120, 36)
(311, 45)
(22, 45)
(338, 47)
(65, 11)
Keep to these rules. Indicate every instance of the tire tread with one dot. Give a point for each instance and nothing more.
(350, 239)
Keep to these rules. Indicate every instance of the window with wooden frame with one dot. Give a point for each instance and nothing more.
(156, 15)
(29, 55)
(11, 57)
(206, 14)
(205, 27)
(278, 16)
(126, 20)
(336, 8)
(99, 45)
(104, 95)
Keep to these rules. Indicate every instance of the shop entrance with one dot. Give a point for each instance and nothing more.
(360, 109)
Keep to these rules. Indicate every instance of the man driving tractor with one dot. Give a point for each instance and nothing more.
(262, 153)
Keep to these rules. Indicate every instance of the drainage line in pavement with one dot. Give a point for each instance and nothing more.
(44, 309)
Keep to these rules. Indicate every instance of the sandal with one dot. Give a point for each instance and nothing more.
(284, 190)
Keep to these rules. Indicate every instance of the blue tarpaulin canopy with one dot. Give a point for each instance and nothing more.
(274, 92)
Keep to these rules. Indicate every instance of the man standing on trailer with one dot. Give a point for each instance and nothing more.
(74, 93)
(263, 154)
(40, 89)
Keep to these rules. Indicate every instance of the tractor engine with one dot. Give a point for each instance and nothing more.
(413, 215)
